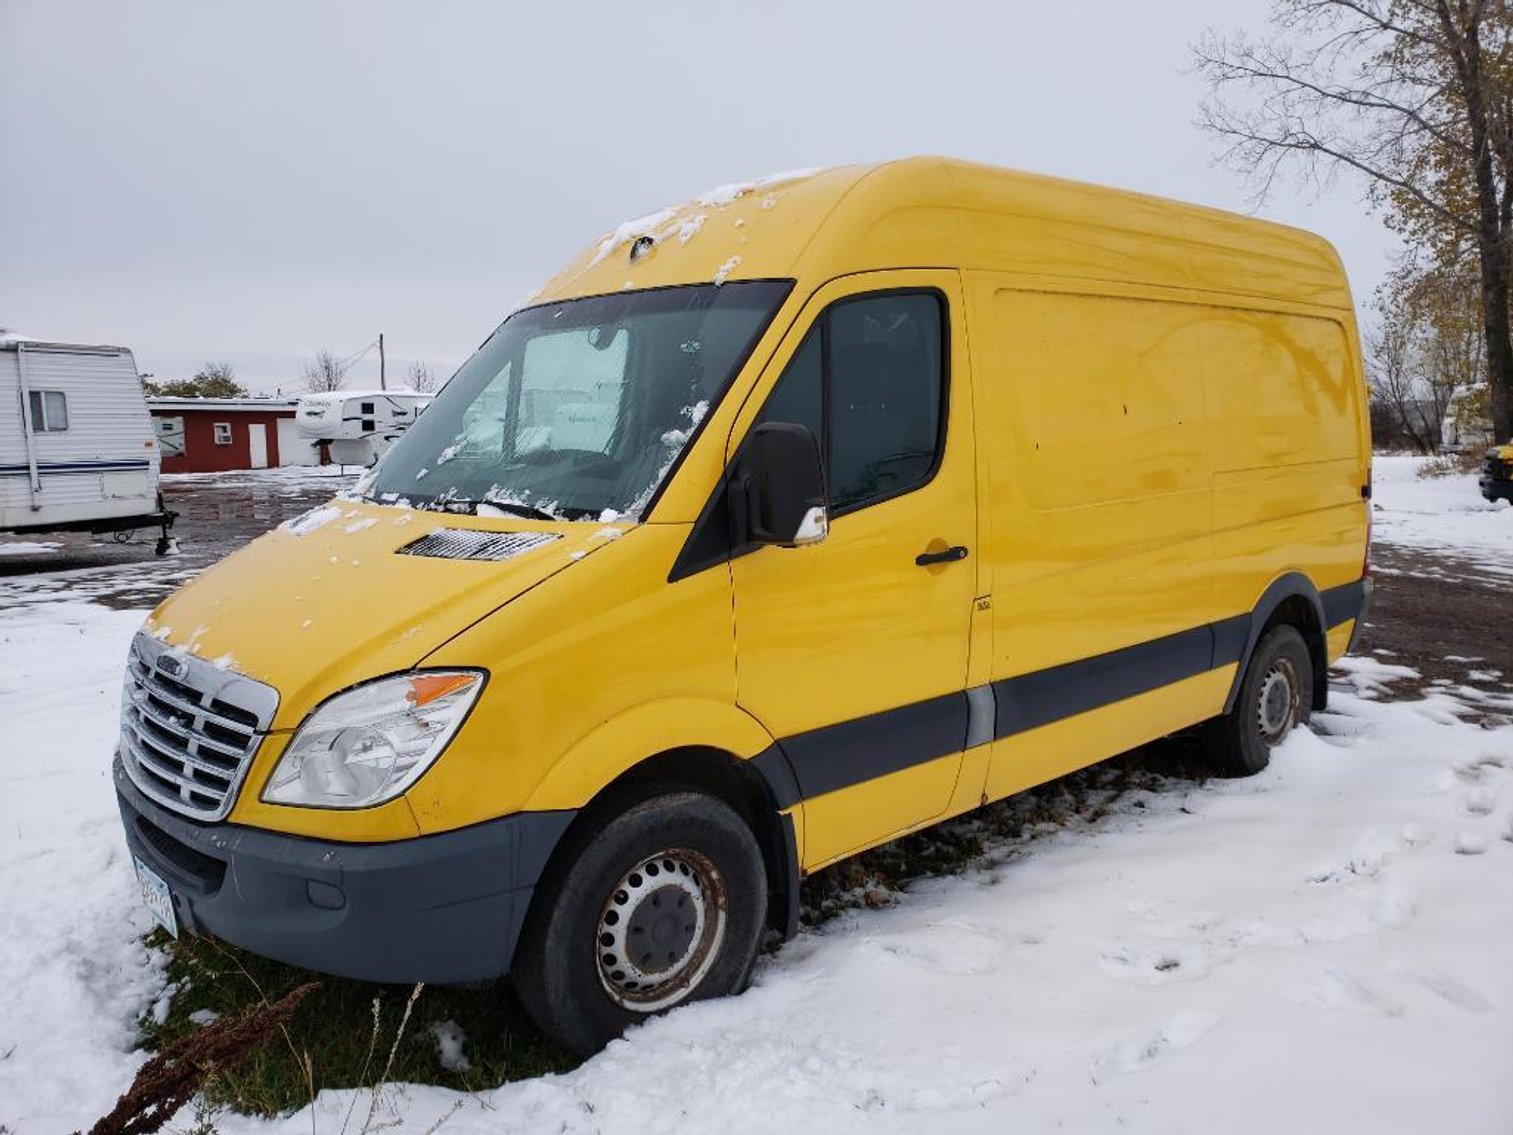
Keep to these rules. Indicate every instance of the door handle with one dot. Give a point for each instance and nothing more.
(949, 556)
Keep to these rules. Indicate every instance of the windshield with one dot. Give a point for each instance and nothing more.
(578, 410)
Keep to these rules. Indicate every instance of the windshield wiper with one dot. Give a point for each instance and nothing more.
(471, 505)
(527, 510)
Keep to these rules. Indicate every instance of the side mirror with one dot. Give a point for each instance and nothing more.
(778, 490)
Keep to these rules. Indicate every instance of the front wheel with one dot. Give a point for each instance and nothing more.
(1275, 695)
(664, 905)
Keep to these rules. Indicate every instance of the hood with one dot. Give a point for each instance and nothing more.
(353, 590)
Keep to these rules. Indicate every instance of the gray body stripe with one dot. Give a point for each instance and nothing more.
(852, 752)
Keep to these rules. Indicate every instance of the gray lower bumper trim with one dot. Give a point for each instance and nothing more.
(440, 908)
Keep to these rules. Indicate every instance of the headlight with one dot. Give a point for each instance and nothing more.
(371, 743)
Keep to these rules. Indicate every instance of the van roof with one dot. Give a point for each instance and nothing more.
(940, 212)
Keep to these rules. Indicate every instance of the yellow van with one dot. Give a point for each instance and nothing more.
(777, 525)
(1497, 473)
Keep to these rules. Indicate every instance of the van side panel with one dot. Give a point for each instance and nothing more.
(1287, 404)
(1100, 551)
(1098, 475)
(1053, 750)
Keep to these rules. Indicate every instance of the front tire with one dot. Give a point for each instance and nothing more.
(662, 906)
(1275, 696)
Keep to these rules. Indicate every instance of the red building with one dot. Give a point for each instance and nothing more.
(211, 435)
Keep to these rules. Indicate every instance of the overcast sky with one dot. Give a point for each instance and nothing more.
(252, 181)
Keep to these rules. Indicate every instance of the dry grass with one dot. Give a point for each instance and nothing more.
(181, 1069)
(1450, 464)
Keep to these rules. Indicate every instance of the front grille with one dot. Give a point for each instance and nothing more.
(189, 728)
(1498, 469)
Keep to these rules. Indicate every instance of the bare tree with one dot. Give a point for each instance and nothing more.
(1416, 96)
(1406, 389)
(420, 378)
(1428, 344)
(1390, 365)
(326, 373)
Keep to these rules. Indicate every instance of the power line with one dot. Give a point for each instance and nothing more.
(356, 356)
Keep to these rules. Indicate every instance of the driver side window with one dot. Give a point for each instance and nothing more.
(869, 380)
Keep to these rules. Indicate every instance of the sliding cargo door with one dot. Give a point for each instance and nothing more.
(1100, 547)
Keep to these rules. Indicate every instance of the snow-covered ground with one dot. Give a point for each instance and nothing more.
(1440, 514)
(1321, 948)
(26, 547)
(74, 975)
(282, 476)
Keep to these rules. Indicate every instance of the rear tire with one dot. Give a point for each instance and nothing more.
(664, 905)
(1275, 696)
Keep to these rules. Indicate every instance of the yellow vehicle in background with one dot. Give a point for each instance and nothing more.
(778, 525)
(1497, 474)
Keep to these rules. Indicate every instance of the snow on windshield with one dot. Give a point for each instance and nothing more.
(579, 410)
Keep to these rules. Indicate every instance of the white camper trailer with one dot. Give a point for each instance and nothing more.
(358, 425)
(77, 449)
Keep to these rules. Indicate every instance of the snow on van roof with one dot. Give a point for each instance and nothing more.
(725, 194)
(659, 225)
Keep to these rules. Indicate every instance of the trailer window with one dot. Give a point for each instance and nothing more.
(222, 433)
(49, 411)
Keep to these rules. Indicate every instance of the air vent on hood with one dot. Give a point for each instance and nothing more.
(469, 544)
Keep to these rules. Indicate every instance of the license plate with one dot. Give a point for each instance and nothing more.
(156, 898)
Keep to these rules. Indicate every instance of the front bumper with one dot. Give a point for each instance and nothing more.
(440, 908)
(1495, 490)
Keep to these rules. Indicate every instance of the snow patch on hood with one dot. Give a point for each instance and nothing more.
(312, 521)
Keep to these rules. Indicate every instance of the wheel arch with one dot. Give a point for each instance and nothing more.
(610, 750)
(1291, 599)
(761, 790)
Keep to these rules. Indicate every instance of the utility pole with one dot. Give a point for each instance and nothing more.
(382, 383)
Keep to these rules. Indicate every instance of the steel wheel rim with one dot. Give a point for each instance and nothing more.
(660, 930)
(1278, 701)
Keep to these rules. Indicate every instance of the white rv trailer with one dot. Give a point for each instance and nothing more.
(358, 425)
(77, 449)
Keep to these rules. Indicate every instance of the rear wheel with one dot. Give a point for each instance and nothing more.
(662, 906)
(1275, 695)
